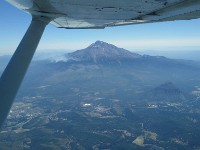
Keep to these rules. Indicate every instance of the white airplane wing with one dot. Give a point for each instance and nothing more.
(104, 13)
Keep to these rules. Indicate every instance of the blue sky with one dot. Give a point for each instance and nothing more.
(176, 35)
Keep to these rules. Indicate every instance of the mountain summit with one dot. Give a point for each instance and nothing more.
(101, 52)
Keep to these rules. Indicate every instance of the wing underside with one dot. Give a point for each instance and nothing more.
(85, 14)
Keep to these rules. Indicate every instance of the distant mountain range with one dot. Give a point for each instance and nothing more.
(174, 54)
(102, 52)
(104, 68)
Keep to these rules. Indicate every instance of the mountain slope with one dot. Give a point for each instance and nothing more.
(167, 92)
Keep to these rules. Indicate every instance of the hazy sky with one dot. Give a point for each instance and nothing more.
(177, 35)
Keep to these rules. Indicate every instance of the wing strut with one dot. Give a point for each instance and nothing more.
(15, 71)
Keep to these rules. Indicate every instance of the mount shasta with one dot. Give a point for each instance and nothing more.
(104, 66)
